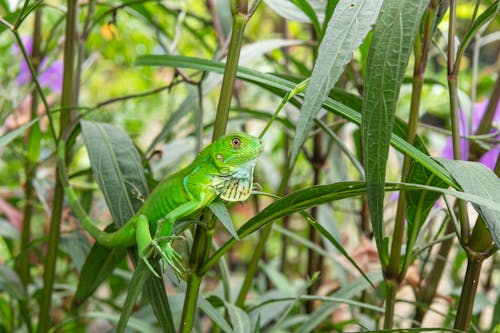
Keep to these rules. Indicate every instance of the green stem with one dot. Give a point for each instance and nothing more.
(239, 22)
(391, 287)
(487, 121)
(201, 250)
(203, 237)
(315, 260)
(478, 249)
(33, 148)
(469, 288)
(454, 112)
(67, 101)
(34, 76)
(33, 151)
(253, 266)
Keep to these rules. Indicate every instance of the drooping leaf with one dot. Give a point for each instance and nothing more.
(317, 195)
(77, 246)
(348, 27)
(154, 291)
(117, 168)
(390, 49)
(476, 178)
(11, 283)
(139, 278)
(7, 138)
(419, 203)
(239, 318)
(98, 266)
(220, 210)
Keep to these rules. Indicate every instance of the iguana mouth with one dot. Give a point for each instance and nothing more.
(237, 185)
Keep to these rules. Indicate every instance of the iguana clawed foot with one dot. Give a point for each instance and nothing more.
(171, 256)
(167, 253)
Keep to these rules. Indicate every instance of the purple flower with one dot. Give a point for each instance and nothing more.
(50, 75)
(490, 157)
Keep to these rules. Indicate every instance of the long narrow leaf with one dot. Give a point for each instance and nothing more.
(141, 275)
(321, 194)
(281, 86)
(390, 49)
(348, 27)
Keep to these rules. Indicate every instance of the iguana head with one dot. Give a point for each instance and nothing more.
(234, 156)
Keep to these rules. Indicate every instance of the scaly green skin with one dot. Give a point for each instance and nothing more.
(224, 169)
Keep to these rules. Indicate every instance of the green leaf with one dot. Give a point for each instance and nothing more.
(154, 291)
(350, 23)
(348, 292)
(7, 138)
(220, 210)
(280, 86)
(223, 13)
(483, 19)
(476, 178)
(249, 53)
(320, 194)
(11, 283)
(77, 245)
(239, 319)
(117, 168)
(295, 12)
(419, 203)
(141, 275)
(213, 314)
(99, 264)
(392, 42)
(306, 8)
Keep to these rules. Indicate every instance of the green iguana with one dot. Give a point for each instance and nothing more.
(224, 169)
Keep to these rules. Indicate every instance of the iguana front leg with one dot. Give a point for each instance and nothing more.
(162, 240)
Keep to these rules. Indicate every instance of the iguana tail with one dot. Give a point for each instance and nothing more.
(124, 237)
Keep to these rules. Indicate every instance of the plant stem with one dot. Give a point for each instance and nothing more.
(67, 102)
(391, 287)
(203, 236)
(487, 121)
(33, 148)
(454, 112)
(239, 23)
(315, 260)
(201, 250)
(33, 151)
(469, 288)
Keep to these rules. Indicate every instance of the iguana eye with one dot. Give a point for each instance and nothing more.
(236, 142)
